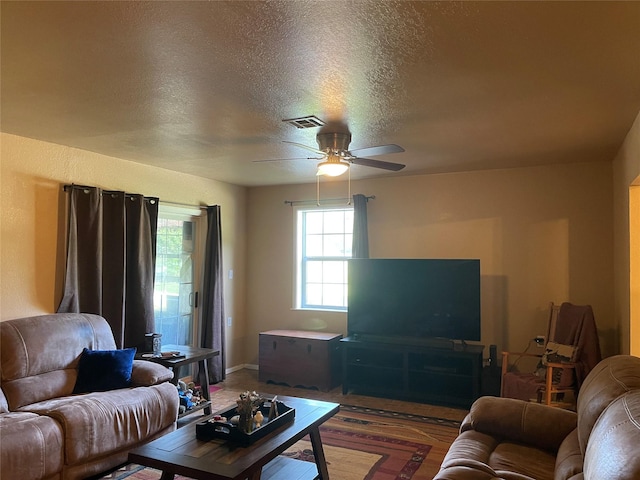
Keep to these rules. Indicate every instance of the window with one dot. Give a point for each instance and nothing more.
(175, 289)
(324, 246)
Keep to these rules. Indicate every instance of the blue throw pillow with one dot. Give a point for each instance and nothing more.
(102, 370)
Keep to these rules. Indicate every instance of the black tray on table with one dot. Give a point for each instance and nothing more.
(209, 429)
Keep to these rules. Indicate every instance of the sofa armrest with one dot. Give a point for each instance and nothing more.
(528, 423)
(145, 373)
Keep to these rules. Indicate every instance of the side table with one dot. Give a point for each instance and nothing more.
(187, 356)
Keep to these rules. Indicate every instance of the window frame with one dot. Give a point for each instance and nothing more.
(299, 293)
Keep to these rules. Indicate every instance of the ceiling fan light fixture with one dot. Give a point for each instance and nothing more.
(332, 168)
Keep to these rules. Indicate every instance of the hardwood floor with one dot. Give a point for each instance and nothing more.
(247, 379)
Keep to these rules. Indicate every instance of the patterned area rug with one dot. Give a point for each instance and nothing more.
(363, 444)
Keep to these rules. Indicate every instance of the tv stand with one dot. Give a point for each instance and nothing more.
(441, 373)
(443, 343)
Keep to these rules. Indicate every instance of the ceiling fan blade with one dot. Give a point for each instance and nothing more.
(286, 159)
(319, 152)
(379, 150)
(369, 162)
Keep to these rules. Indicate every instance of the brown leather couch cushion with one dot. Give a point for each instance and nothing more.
(4, 406)
(523, 460)
(609, 379)
(613, 455)
(32, 446)
(101, 422)
(496, 459)
(473, 471)
(569, 459)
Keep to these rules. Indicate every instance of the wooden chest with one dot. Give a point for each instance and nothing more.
(300, 359)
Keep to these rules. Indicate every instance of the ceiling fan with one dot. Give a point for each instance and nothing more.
(333, 147)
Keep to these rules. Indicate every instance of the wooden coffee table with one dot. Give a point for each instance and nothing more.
(179, 452)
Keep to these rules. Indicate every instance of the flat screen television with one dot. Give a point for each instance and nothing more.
(414, 298)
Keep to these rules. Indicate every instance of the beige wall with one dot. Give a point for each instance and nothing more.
(542, 234)
(626, 204)
(31, 249)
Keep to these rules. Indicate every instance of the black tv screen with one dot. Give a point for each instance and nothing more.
(416, 298)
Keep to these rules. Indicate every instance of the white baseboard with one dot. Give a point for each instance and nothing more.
(235, 368)
(248, 366)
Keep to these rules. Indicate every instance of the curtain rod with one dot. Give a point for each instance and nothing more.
(315, 202)
(186, 205)
(69, 187)
(72, 186)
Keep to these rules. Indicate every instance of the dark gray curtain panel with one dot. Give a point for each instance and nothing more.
(212, 329)
(110, 264)
(360, 246)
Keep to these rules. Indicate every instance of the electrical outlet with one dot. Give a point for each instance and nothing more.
(229, 321)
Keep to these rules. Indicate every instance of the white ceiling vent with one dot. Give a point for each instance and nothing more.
(310, 121)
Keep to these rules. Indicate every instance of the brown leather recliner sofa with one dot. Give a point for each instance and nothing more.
(509, 439)
(46, 431)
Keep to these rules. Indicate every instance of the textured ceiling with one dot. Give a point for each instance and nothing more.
(203, 87)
